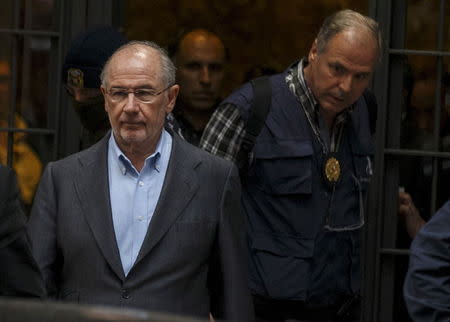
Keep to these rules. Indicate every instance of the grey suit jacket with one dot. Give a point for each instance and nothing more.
(19, 274)
(193, 246)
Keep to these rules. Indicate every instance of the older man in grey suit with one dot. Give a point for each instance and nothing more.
(142, 219)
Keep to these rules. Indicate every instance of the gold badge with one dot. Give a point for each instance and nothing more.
(75, 77)
(332, 170)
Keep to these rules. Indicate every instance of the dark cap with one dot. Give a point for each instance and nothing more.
(87, 54)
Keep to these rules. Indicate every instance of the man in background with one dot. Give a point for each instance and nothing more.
(83, 64)
(200, 58)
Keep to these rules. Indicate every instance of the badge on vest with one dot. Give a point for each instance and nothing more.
(332, 169)
(75, 77)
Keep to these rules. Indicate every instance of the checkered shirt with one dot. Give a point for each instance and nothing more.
(224, 132)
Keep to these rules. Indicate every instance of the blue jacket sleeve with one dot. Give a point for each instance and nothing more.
(427, 284)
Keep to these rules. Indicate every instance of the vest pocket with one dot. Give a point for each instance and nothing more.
(282, 262)
(363, 169)
(283, 167)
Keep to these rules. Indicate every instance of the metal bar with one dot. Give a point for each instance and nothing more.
(372, 260)
(13, 88)
(31, 131)
(418, 52)
(416, 153)
(437, 107)
(393, 251)
(57, 99)
(389, 189)
(24, 32)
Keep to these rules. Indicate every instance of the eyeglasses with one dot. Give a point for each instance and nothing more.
(330, 225)
(143, 95)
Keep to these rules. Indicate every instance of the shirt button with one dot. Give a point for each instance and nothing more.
(125, 294)
(141, 183)
(140, 218)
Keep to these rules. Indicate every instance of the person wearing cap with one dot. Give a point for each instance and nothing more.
(83, 64)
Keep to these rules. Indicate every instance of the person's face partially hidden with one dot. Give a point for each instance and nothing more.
(90, 107)
(200, 70)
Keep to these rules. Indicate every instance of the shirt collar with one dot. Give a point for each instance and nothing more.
(152, 161)
(301, 76)
(299, 69)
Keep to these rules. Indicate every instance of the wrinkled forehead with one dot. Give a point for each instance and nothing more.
(135, 60)
(201, 44)
(359, 38)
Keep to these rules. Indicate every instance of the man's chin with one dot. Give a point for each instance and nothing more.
(130, 137)
(334, 105)
(202, 104)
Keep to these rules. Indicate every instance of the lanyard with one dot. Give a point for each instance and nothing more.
(308, 107)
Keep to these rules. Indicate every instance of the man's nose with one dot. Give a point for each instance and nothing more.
(131, 103)
(205, 77)
(346, 84)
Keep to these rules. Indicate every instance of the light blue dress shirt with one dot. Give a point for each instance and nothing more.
(134, 195)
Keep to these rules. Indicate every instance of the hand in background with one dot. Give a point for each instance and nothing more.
(409, 213)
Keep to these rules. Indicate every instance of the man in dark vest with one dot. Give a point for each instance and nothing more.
(307, 175)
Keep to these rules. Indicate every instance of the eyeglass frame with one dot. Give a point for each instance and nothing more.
(133, 91)
(361, 216)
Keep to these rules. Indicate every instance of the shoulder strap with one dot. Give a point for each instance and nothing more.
(372, 108)
(262, 96)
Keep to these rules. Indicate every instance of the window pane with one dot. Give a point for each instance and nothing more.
(26, 162)
(29, 14)
(447, 26)
(5, 90)
(445, 97)
(419, 90)
(31, 61)
(422, 24)
(443, 178)
(419, 184)
(7, 13)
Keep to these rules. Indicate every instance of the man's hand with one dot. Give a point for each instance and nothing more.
(409, 213)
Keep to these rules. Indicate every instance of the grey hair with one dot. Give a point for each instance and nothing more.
(345, 20)
(168, 69)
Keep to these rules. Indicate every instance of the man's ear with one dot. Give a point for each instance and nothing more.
(313, 51)
(104, 96)
(172, 94)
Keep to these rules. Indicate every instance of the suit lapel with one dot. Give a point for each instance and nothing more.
(92, 186)
(180, 185)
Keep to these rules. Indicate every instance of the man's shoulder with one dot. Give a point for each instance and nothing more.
(242, 98)
(82, 157)
(438, 227)
(190, 152)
